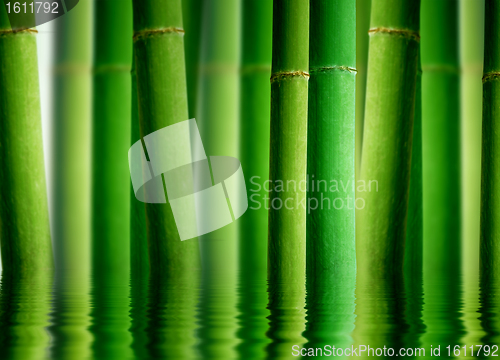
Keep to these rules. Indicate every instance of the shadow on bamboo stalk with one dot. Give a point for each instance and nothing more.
(331, 250)
(254, 156)
(218, 119)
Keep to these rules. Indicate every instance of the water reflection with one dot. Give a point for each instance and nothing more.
(163, 318)
(24, 317)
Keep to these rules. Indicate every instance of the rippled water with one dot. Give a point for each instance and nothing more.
(78, 319)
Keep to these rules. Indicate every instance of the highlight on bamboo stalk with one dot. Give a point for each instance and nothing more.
(24, 213)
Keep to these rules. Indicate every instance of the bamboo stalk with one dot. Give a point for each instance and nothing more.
(111, 139)
(71, 180)
(72, 142)
(24, 215)
(218, 119)
(471, 46)
(387, 139)
(191, 17)
(110, 178)
(162, 101)
(490, 196)
(254, 156)
(441, 169)
(288, 159)
(331, 249)
(441, 137)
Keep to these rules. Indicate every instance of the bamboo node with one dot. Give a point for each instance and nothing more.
(289, 74)
(333, 68)
(151, 32)
(409, 34)
(17, 31)
(491, 76)
(100, 69)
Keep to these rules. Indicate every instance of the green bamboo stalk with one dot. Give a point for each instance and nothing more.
(288, 159)
(362, 27)
(24, 215)
(157, 37)
(218, 119)
(331, 249)
(471, 36)
(162, 101)
(441, 137)
(387, 139)
(110, 141)
(191, 17)
(110, 179)
(490, 196)
(254, 155)
(72, 142)
(71, 179)
(441, 169)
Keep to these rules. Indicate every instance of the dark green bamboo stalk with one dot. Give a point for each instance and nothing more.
(71, 199)
(490, 195)
(111, 179)
(111, 140)
(192, 16)
(441, 168)
(162, 101)
(441, 137)
(254, 155)
(288, 159)
(387, 138)
(24, 214)
(218, 118)
(362, 27)
(331, 249)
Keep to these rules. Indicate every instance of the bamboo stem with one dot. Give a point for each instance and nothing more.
(71, 200)
(218, 118)
(24, 215)
(111, 139)
(288, 159)
(490, 196)
(254, 156)
(110, 179)
(331, 249)
(387, 139)
(162, 101)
